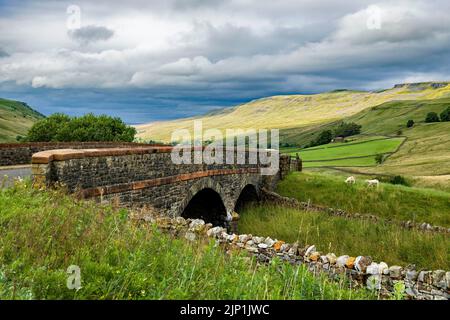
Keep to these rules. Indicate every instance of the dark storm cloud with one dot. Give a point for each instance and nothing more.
(91, 33)
(3, 53)
(188, 56)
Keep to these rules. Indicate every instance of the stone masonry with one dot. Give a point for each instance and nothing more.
(21, 153)
(147, 176)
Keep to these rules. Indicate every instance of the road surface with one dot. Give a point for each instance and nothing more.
(13, 173)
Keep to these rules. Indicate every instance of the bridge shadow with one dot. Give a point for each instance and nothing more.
(207, 205)
(248, 196)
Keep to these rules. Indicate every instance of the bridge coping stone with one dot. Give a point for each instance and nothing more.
(45, 157)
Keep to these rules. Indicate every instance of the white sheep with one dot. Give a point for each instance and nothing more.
(350, 180)
(373, 183)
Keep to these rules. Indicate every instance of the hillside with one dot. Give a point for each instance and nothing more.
(15, 119)
(302, 112)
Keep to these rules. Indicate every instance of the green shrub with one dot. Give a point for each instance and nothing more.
(323, 138)
(60, 127)
(347, 129)
(379, 158)
(432, 117)
(445, 115)
(399, 180)
(410, 124)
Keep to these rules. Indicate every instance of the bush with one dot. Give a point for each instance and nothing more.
(347, 129)
(60, 127)
(399, 180)
(445, 115)
(323, 138)
(410, 124)
(399, 132)
(432, 117)
(379, 158)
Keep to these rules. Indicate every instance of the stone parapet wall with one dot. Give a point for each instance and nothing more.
(21, 153)
(146, 175)
(96, 168)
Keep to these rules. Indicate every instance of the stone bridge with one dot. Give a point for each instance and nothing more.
(147, 176)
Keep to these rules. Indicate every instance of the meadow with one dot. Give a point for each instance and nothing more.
(383, 242)
(44, 232)
(356, 153)
(423, 156)
(389, 201)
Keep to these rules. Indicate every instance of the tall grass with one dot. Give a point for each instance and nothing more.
(42, 233)
(388, 201)
(381, 241)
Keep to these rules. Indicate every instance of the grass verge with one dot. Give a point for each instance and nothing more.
(42, 233)
(388, 201)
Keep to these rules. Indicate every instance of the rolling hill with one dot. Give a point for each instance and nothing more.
(297, 116)
(15, 119)
(421, 152)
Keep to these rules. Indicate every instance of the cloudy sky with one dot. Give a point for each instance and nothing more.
(153, 60)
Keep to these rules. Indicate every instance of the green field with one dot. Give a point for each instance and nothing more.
(348, 154)
(15, 119)
(44, 232)
(426, 151)
(351, 162)
(383, 242)
(389, 201)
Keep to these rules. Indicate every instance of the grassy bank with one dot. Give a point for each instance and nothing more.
(381, 241)
(16, 118)
(389, 201)
(42, 233)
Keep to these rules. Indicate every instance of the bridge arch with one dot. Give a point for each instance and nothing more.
(249, 194)
(204, 201)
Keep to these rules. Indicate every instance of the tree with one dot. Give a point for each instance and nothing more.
(47, 128)
(60, 127)
(347, 129)
(323, 138)
(410, 124)
(432, 117)
(445, 115)
(379, 158)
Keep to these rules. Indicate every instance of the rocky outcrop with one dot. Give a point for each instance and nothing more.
(361, 271)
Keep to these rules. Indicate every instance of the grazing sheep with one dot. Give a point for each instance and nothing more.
(350, 180)
(373, 183)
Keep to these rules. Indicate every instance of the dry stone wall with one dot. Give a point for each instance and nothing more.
(361, 271)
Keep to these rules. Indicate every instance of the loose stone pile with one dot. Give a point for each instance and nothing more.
(361, 271)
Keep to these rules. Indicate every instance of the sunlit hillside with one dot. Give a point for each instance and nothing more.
(15, 119)
(296, 111)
